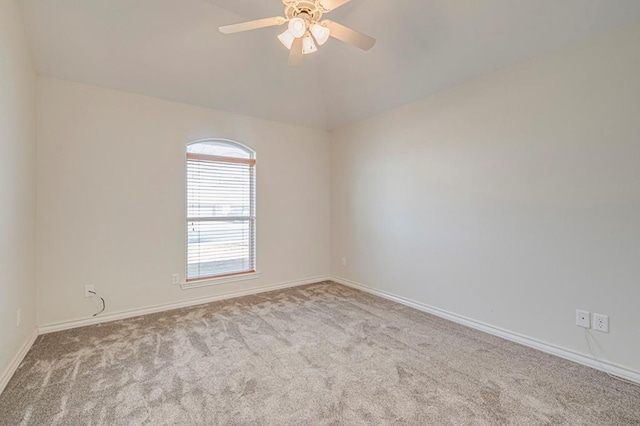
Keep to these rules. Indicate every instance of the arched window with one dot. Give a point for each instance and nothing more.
(221, 209)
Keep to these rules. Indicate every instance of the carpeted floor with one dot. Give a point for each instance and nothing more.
(318, 354)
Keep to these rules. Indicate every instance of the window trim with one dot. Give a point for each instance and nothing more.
(206, 282)
(231, 277)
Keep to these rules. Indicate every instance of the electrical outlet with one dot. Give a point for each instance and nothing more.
(583, 319)
(601, 323)
(175, 279)
(18, 317)
(88, 289)
(344, 261)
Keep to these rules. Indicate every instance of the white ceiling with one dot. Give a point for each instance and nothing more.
(171, 49)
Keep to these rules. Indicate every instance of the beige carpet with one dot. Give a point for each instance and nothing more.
(320, 354)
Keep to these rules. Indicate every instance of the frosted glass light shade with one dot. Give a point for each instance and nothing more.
(286, 38)
(308, 45)
(297, 27)
(320, 33)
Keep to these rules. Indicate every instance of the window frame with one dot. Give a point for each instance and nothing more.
(227, 277)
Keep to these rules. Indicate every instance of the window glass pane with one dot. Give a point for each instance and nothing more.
(219, 248)
(221, 148)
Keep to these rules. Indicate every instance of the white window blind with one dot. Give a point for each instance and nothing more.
(221, 213)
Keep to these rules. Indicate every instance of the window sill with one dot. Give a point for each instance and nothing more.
(222, 280)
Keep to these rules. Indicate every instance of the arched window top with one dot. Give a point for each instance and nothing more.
(221, 148)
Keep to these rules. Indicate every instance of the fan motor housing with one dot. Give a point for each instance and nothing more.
(307, 10)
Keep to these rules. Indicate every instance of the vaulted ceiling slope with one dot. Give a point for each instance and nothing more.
(172, 49)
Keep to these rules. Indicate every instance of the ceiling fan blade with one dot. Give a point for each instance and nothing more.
(349, 36)
(252, 25)
(329, 5)
(295, 54)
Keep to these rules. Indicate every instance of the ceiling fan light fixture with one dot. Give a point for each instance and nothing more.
(297, 27)
(308, 45)
(320, 33)
(286, 38)
(306, 31)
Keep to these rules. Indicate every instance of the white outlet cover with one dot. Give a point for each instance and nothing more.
(583, 318)
(175, 279)
(601, 323)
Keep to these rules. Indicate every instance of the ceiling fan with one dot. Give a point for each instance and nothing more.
(305, 30)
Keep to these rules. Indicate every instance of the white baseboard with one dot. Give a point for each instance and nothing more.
(7, 374)
(66, 325)
(614, 369)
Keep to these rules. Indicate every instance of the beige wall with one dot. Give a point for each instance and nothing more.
(512, 200)
(111, 198)
(17, 185)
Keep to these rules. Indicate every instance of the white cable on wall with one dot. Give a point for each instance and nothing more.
(586, 337)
